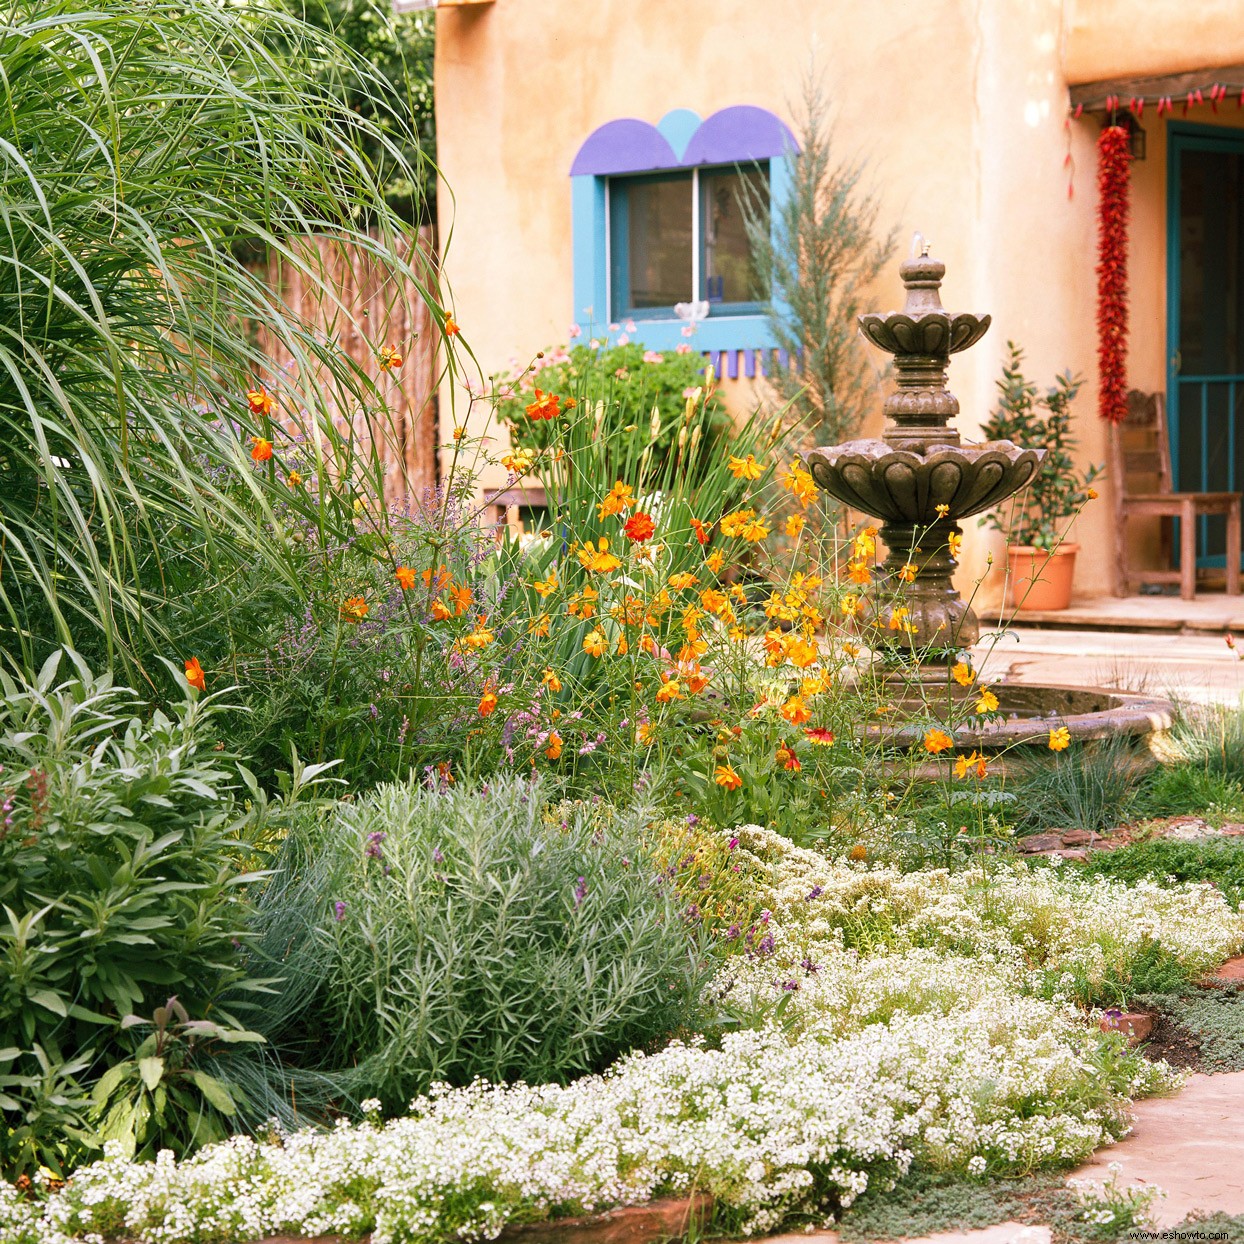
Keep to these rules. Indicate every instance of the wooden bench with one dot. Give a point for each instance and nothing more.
(1140, 466)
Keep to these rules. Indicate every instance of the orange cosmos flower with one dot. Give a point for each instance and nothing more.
(617, 499)
(851, 605)
(859, 572)
(544, 587)
(820, 736)
(963, 674)
(800, 482)
(487, 703)
(518, 462)
(451, 326)
(405, 577)
(942, 510)
(461, 596)
(194, 674)
(644, 732)
(1091, 494)
(732, 524)
(553, 749)
(714, 601)
(700, 531)
(540, 625)
(594, 643)
(754, 530)
(639, 527)
(670, 689)
(682, 580)
(544, 407)
(354, 608)
(954, 542)
(724, 775)
(293, 479)
(745, 468)
(481, 636)
(787, 759)
(795, 524)
(550, 680)
(988, 702)
(261, 448)
(696, 678)
(907, 573)
(968, 764)
(440, 611)
(715, 561)
(260, 401)
(866, 542)
(1060, 739)
(795, 710)
(936, 741)
(389, 357)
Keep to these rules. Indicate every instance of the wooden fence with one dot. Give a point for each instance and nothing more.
(370, 310)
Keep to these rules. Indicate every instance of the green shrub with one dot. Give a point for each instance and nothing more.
(443, 935)
(1174, 790)
(122, 884)
(1220, 860)
(1090, 787)
(629, 383)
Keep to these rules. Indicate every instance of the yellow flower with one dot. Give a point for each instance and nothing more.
(540, 625)
(866, 543)
(725, 776)
(937, 741)
(293, 479)
(594, 643)
(545, 586)
(795, 711)
(799, 481)
(954, 542)
(599, 559)
(898, 620)
(519, 462)
(851, 605)
(754, 530)
(354, 609)
(745, 468)
(670, 689)
(974, 762)
(1060, 739)
(942, 510)
(733, 524)
(795, 524)
(459, 433)
(988, 702)
(618, 499)
(715, 560)
(714, 601)
(1091, 494)
(683, 580)
(550, 680)
(644, 732)
(858, 572)
(963, 674)
(802, 654)
(907, 573)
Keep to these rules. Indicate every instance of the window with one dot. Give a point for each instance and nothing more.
(682, 237)
(657, 221)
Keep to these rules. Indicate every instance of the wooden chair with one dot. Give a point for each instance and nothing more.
(1140, 468)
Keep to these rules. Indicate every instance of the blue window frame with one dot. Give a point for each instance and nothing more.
(682, 237)
(657, 222)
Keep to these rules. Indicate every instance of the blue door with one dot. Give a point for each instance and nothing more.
(1205, 318)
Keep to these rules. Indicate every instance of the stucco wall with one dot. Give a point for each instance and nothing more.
(959, 107)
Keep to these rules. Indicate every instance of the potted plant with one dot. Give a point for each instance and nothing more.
(1040, 560)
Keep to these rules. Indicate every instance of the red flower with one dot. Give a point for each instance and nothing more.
(701, 532)
(261, 448)
(1114, 156)
(194, 674)
(820, 736)
(260, 401)
(639, 527)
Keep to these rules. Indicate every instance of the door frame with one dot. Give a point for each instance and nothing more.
(1184, 136)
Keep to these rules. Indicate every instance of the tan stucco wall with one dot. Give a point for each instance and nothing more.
(959, 107)
(1147, 38)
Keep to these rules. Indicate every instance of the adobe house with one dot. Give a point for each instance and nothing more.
(568, 132)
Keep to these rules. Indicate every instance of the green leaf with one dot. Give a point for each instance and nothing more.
(215, 1092)
(151, 1069)
(52, 1001)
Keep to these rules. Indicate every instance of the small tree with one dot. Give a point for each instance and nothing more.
(817, 257)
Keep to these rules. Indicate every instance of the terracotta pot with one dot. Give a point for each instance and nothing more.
(1041, 580)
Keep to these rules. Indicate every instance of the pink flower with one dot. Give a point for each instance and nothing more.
(623, 339)
(682, 348)
(630, 326)
(613, 328)
(688, 330)
(575, 331)
(594, 343)
(689, 391)
(651, 356)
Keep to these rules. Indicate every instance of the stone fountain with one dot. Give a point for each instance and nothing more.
(921, 479)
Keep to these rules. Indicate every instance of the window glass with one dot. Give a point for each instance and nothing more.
(727, 272)
(651, 240)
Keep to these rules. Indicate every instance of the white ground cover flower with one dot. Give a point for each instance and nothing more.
(894, 1015)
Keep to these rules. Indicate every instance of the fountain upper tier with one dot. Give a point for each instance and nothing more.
(920, 463)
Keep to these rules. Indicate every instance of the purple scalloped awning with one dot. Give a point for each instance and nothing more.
(625, 146)
(732, 135)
